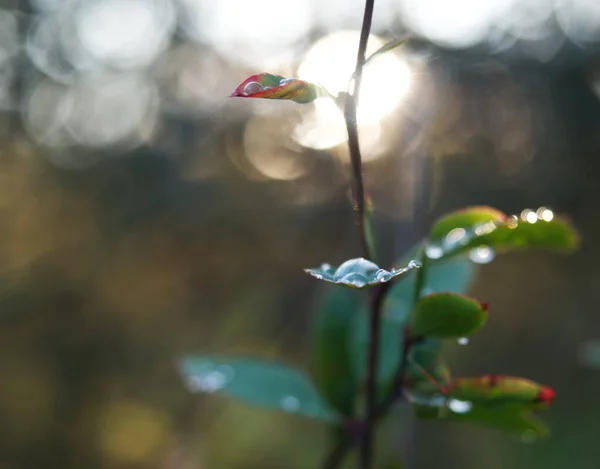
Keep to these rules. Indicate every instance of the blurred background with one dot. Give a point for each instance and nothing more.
(143, 215)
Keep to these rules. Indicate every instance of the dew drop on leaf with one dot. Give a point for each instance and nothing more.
(252, 87)
(512, 221)
(360, 266)
(382, 276)
(529, 216)
(482, 255)
(433, 251)
(455, 236)
(285, 81)
(290, 404)
(545, 214)
(355, 279)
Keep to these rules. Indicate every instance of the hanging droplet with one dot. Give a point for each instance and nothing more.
(482, 254)
(459, 407)
(414, 264)
(252, 87)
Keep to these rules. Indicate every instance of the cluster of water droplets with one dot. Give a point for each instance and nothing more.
(253, 87)
(359, 273)
(460, 237)
(207, 376)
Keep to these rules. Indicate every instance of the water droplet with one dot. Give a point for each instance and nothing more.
(360, 266)
(545, 214)
(382, 276)
(252, 87)
(482, 255)
(433, 251)
(355, 279)
(463, 341)
(512, 222)
(455, 236)
(325, 266)
(459, 407)
(529, 216)
(290, 404)
(485, 228)
(414, 264)
(285, 81)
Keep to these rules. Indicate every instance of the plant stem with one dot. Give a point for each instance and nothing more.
(358, 189)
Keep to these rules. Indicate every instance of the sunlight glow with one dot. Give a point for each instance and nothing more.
(386, 80)
(460, 23)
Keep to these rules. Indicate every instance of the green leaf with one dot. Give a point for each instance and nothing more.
(452, 275)
(332, 326)
(466, 218)
(388, 46)
(496, 388)
(269, 86)
(424, 365)
(257, 382)
(359, 273)
(481, 230)
(447, 315)
(511, 418)
(390, 349)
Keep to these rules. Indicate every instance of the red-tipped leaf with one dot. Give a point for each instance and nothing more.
(269, 86)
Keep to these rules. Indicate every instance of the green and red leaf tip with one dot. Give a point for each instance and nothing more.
(501, 388)
(545, 395)
(270, 86)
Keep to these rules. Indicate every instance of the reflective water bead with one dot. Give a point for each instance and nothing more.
(433, 251)
(459, 407)
(361, 266)
(290, 404)
(382, 276)
(482, 255)
(355, 279)
(455, 236)
(545, 214)
(252, 87)
(285, 81)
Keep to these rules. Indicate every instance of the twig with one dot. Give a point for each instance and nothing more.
(358, 189)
